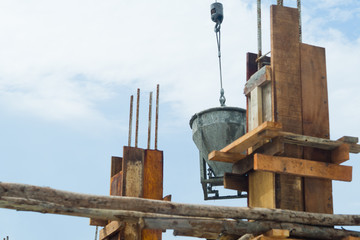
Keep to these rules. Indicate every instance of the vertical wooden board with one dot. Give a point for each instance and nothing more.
(153, 186)
(116, 184)
(266, 103)
(314, 91)
(116, 165)
(153, 175)
(318, 192)
(133, 172)
(286, 86)
(261, 190)
(151, 234)
(133, 178)
(255, 108)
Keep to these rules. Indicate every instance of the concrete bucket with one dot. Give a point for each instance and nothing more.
(214, 129)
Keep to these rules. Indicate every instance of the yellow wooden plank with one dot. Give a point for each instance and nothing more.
(340, 154)
(301, 167)
(254, 136)
(278, 233)
(225, 156)
(351, 238)
(262, 189)
(110, 229)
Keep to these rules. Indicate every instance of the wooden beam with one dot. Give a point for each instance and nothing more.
(47, 200)
(301, 167)
(112, 228)
(348, 139)
(225, 156)
(340, 154)
(253, 137)
(258, 79)
(236, 182)
(277, 233)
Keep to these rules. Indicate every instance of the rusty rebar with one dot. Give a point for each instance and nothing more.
(150, 115)
(130, 119)
(300, 23)
(137, 118)
(157, 115)
(259, 32)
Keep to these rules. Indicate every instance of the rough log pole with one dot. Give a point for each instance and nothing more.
(178, 223)
(28, 198)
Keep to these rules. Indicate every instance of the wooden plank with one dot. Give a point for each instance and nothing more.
(267, 102)
(236, 182)
(244, 166)
(277, 233)
(258, 79)
(301, 167)
(264, 196)
(318, 192)
(98, 222)
(252, 137)
(286, 84)
(112, 228)
(225, 156)
(133, 171)
(133, 179)
(351, 238)
(274, 147)
(348, 139)
(153, 186)
(153, 175)
(116, 165)
(116, 184)
(340, 154)
(255, 108)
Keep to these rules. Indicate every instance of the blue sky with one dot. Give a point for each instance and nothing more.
(68, 68)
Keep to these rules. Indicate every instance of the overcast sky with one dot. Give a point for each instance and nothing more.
(68, 68)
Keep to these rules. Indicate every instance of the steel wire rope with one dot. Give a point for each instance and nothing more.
(218, 41)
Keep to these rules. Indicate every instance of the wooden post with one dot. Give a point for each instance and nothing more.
(297, 99)
(138, 174)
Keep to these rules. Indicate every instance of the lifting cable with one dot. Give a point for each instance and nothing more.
(217, 17)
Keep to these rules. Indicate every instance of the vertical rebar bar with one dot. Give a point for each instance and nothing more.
(137, 118)
(300, 24)
(157, 115)
(259, 32)
(150, 115)
(130, 119)
(280, 2)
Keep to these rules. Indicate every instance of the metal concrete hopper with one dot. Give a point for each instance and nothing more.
(214, 129)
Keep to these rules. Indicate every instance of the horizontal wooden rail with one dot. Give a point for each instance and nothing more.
(47, 200)
(185, 218)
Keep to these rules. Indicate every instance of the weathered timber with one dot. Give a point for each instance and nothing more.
(258, 79)
(254, 136)
(240, 228)
(264, 132)
(198, 234)
(110, 229)
(46, 200)
(236, 182)
(246, 237)
(225, 156)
